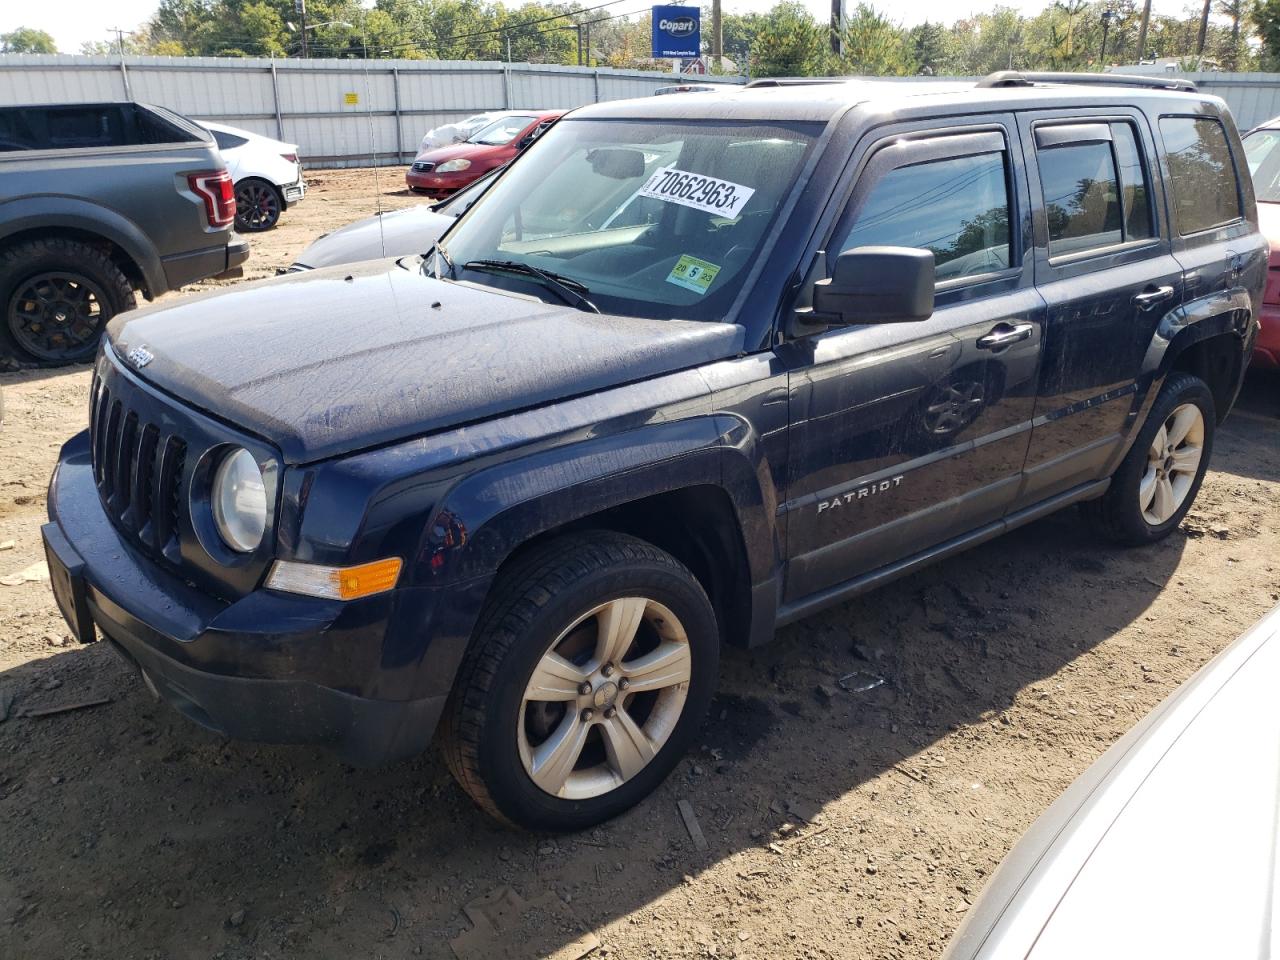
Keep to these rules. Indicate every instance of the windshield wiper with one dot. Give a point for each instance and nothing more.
(570, 290)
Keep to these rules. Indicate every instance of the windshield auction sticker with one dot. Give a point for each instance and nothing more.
(693, 274)
(707, 194)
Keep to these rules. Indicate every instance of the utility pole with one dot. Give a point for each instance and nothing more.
(837, 21)
(300, 7)
(717, 34)
(1142, 30)
(587, 43)
(1204, 30)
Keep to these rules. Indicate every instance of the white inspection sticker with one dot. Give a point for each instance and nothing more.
(695, 190)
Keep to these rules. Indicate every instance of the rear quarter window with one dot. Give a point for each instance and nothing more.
(1205, 192)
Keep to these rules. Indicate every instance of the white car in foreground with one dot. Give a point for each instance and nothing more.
(266, 172)
(1167, 846)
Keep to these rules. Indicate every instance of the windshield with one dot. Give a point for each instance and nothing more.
(1263, 157)
(650, 219)
(501, 132)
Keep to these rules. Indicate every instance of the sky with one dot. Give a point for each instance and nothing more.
(72, 22)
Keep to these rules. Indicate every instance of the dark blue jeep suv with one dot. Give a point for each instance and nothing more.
(692, 368)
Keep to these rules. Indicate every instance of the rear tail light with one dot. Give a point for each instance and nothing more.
(219, 196)
(291, 157)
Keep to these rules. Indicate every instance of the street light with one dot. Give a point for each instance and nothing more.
(1107, 17)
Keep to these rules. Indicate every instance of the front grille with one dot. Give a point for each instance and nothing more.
(423, 167)
(139, 469)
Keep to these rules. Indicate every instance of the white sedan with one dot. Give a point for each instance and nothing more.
(266, 172)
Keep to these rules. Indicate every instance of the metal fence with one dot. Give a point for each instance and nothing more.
(339, 112)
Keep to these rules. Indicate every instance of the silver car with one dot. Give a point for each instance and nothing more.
(1166, 846)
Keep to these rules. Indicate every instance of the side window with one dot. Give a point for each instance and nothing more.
(1095, 185)
(227, 141)
(1205, 193)
(957, 207)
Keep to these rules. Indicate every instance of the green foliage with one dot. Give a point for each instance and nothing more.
(1265, 15)
(788, 43)
(870, 45)
(27, 40)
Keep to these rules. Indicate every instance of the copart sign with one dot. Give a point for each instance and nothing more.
(677, 32)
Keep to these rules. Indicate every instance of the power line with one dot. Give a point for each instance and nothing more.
(511, 27)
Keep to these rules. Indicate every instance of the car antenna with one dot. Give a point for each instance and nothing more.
(373, 136)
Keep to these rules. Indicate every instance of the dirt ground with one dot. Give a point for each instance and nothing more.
(838, 824)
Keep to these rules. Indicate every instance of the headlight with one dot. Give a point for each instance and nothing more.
(453, 166)
(239, 499)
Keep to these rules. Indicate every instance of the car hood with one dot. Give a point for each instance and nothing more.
(326, 362)
(455, 151)
(1166, 847)
(397, 233)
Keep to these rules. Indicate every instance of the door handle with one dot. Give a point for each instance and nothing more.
(1006, 335)
(1149, 298)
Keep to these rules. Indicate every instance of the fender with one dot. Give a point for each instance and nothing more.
(52, 211)
(483, 518)
(1227, 311)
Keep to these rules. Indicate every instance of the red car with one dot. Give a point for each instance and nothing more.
(444, 171)
(1262, 151)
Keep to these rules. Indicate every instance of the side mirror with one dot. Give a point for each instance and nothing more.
(872, 285)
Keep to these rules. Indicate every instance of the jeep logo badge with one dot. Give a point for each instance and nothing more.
(139, 357)
(678, 26)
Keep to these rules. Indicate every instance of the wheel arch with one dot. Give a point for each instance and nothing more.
(1208, 338)
(43, 217)
(671, 484)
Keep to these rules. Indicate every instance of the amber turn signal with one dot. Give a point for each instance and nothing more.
(335, 583)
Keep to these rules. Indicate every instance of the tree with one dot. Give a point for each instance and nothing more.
(790, 43)
(873, 46)
(1265, 15)
(928, 46)
(27, 40)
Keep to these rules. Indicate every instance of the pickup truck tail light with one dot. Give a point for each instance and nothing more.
(215, 188)
(291, 157)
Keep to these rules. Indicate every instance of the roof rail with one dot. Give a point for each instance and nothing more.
(793, 82)
(1015, 78)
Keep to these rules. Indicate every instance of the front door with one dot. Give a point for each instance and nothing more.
(905, 435)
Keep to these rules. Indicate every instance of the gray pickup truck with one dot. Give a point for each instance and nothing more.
(99, 201)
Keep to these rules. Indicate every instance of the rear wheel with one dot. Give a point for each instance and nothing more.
(1158, 479)
(258, 206)
(58, 296)
(589, 672)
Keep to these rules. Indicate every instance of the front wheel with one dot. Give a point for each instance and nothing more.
(1158, 479)
(590, 669)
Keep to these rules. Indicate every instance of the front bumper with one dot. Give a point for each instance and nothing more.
(438, 186)
(267, 667)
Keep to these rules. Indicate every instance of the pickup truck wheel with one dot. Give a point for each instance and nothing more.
(58, 296)
(589, 672)
(258, 206)
(1158, 479)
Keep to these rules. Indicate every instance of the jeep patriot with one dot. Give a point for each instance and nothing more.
(692, 368)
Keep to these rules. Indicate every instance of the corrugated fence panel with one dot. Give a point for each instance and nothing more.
(327, 107)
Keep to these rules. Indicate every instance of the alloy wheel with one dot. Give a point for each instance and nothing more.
(257, 206)
(604, 698)
(1172, 464)
(57, 316)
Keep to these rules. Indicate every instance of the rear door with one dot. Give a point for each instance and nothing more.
(908, 434)
(1104, 264)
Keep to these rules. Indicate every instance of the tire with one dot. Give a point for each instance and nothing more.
(497, 738)
(1158, 480)
(57, 296)
(258, 205)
